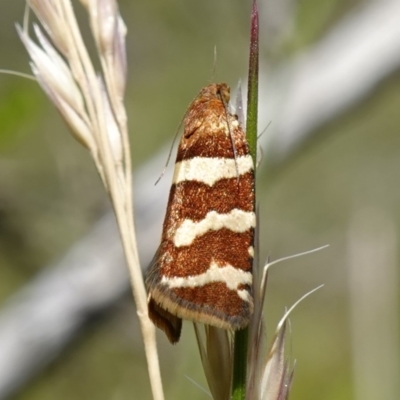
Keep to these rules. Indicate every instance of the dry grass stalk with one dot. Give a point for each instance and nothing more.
(92, 106)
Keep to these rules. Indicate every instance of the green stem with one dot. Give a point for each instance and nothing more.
(240, 365)
(239, 376)
(252, 91)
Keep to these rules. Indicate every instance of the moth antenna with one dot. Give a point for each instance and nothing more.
(231, 137)
(260, 149)
(264, 130)
(169, 155)
(214, 70)
(173, 142)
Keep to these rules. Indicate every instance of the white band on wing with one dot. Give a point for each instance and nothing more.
(210, 170)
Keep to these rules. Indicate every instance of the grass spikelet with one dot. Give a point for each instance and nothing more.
(216, 356)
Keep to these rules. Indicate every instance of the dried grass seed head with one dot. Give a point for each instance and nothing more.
(51, 16)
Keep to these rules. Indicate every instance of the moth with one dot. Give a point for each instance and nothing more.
(202, 270)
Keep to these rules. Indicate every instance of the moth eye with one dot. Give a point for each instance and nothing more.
(188, 134)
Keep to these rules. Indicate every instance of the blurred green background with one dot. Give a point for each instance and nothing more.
(341, 188)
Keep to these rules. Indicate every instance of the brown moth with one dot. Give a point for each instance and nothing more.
(202, 270)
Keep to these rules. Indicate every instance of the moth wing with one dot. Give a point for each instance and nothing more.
(163, 319)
